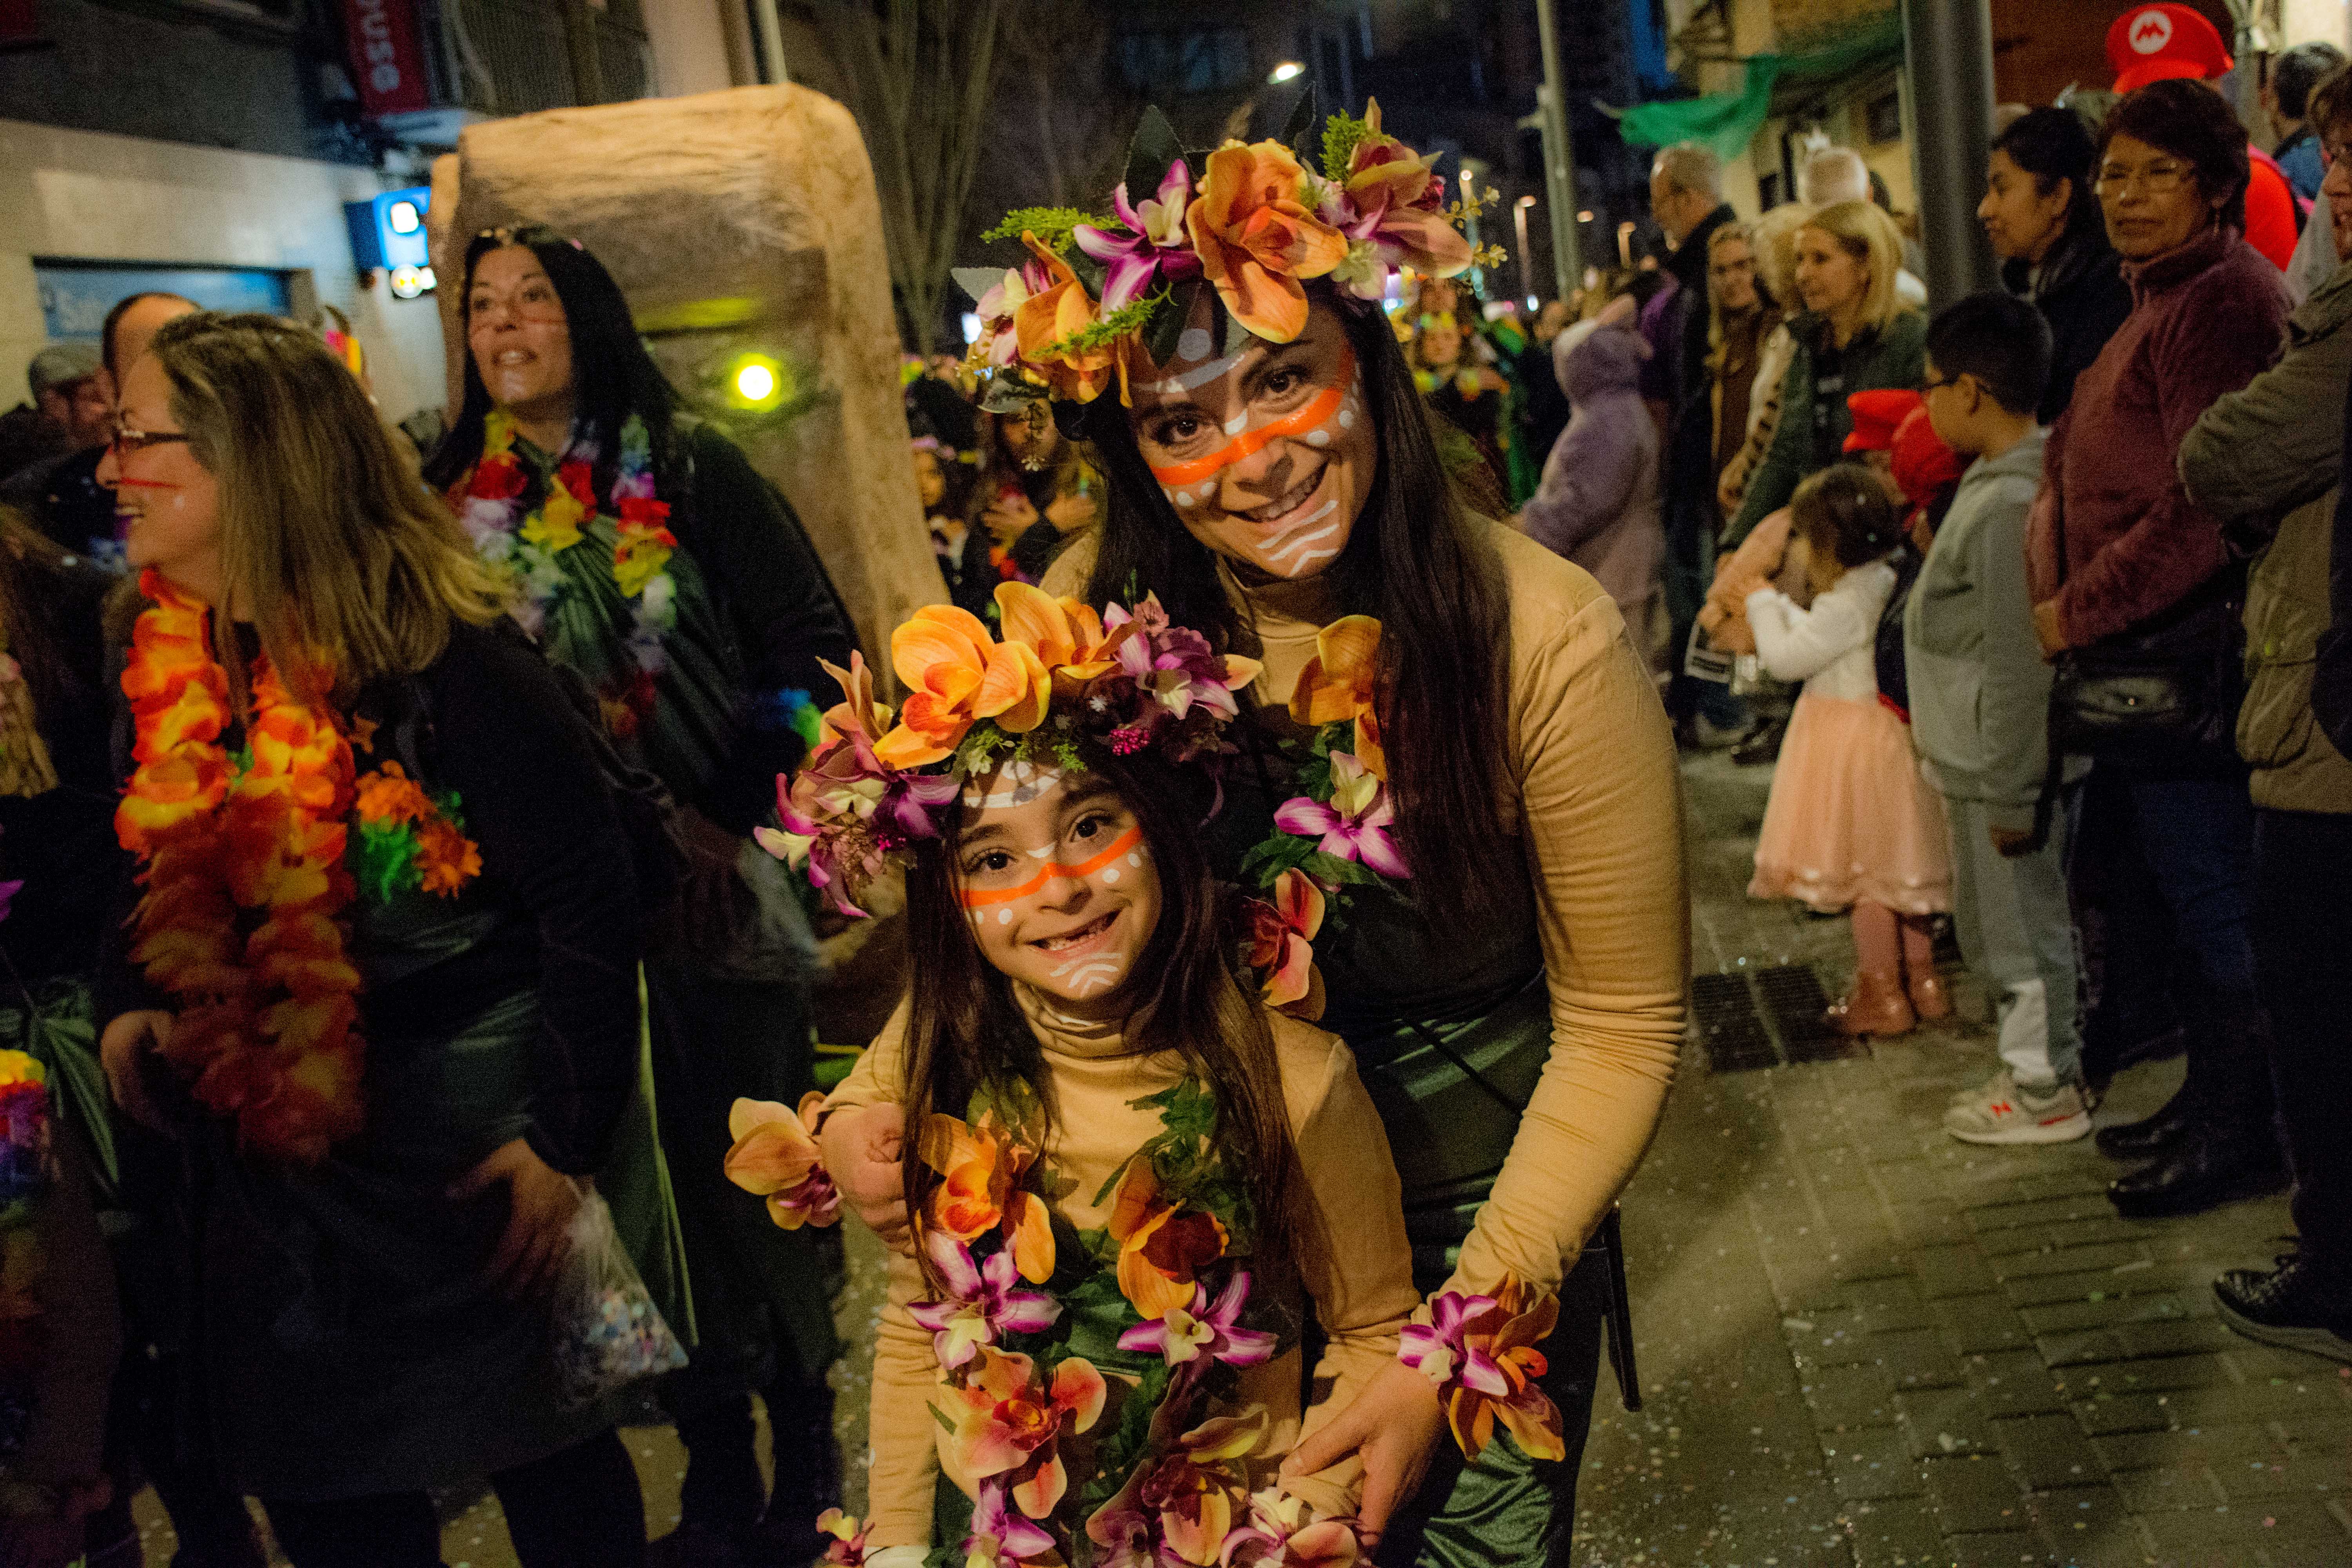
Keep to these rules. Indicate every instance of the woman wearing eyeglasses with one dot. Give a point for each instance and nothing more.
(2126, 570)
(377, 979)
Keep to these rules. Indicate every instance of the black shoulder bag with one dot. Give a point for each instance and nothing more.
(2164, 692)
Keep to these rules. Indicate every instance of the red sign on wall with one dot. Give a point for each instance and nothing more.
(18, 30)
(386, 62)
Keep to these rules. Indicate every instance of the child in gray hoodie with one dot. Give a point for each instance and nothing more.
(1979, 720)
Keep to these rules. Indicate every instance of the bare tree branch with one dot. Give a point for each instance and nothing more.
(922, 78)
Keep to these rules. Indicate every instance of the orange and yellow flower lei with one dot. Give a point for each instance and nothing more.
(242, 863)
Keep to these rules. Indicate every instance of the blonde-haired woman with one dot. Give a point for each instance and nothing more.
(379, 978)
(1855, 333)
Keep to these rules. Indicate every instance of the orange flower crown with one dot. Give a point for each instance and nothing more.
(1054, 673)
(1254, 226)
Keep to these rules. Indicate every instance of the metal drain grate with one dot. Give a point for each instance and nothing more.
(1766, 1018)
(1792, 999)
(1729, 1025)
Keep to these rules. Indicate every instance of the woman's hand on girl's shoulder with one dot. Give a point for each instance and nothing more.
(864, 1146)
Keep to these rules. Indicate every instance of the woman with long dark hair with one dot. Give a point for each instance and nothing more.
(2045, 226)
(379, 979)
(651, 559)
(1491, 787)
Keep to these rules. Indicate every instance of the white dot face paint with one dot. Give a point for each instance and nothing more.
(1059, 884)
(1262, 455)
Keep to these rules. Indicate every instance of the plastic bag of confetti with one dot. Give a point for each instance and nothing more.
(607, 1332)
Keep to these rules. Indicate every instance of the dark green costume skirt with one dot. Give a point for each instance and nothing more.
(1449, 1093)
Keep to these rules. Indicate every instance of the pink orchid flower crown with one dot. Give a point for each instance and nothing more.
(1256, 224)
(1020, 701)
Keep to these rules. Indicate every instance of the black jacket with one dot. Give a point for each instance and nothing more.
(2082, 294)
(1688, 452)
(778, 605)
(65, 500)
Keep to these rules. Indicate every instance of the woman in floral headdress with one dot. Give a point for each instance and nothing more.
(379, 980)
(1137, 1183)
(653, 561)
(1455, 740)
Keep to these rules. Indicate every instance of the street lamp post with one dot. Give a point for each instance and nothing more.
(1560, 155)
(1948, 50)
(1526, 277)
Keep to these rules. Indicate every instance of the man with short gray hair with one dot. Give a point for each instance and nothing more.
(1686, 200)
(1833, 174)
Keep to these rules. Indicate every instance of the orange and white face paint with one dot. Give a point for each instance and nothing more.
(1267, 456)
(1057, 884)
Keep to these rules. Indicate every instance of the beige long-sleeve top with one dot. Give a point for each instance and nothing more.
(1595, 794)
(1353, 1263)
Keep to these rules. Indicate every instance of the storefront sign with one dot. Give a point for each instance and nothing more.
(75, 296)
(385, 61)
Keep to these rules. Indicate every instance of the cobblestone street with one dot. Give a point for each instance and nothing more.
(1863, 1344)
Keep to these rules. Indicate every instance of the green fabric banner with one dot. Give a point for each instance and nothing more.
(1724, 123)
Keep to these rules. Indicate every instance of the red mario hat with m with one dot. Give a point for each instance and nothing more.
(2150, 43)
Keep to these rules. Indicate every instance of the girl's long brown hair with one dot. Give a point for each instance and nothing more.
(966, 1031)
(330, 545)
(27, 557)
(1418, 560)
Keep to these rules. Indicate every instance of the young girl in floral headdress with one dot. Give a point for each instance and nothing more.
(1132, 1181)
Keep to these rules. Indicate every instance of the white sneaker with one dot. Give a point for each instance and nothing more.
(2005, 1112)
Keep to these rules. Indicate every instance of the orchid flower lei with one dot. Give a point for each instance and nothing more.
(1130, 1335)
(1060, 675)
(1336, 833)
(525, 546)
(1255, 223)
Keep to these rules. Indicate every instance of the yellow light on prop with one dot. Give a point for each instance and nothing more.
(756, 381)
(1287, 70)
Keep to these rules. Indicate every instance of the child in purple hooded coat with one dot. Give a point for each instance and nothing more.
(1598, 502)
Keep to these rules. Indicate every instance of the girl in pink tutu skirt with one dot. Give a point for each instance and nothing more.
(1851, 823)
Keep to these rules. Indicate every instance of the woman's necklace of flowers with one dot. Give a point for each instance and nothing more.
(241, 922)
(527, 544)
(1337, 832)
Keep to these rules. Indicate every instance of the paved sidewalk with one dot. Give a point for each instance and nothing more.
(1864, 1343)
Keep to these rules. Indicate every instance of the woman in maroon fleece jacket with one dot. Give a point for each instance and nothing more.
(2115, 542)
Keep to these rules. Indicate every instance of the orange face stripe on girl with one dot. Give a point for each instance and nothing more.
(1072, 927)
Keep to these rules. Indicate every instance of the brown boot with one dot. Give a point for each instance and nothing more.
(1874, 1006)
(1930, 998)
